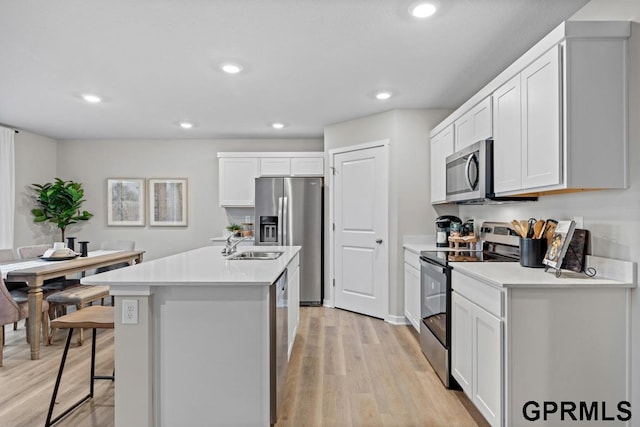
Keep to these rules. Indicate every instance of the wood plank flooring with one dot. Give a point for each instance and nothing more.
(346, 370)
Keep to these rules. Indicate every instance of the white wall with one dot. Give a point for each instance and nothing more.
(91, 162)
(36, 163)
(612, 217)
(410, 211)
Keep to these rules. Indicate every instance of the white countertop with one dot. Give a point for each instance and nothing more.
(205, 266)
(513, 275)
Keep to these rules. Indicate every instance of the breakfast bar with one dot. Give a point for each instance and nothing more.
(196, 342)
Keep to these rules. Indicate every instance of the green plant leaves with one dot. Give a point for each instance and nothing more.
(59, 203)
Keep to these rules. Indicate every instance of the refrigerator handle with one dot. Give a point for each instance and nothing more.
(280, 219)
(285, 227)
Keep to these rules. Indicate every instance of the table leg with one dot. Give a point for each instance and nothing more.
(35, 318)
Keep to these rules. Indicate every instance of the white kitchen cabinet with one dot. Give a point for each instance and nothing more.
(412, 288)
(441, 146)
(275, 166)
(572, 112)
(238, 171)
(527, 139)
(237, 181)
(478, 344)
(293, 301)
(507, 139)
(556, 110)
(307, 166)
(475, 125)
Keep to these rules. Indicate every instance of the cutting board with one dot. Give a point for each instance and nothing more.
(574, 258)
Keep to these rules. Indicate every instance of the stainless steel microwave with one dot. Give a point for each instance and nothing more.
(470, 173)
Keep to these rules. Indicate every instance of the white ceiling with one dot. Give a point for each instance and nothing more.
(308, 63)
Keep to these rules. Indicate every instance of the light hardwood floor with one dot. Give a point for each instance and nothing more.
(346, 370)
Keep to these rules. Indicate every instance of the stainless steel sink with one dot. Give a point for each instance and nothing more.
(256, 255)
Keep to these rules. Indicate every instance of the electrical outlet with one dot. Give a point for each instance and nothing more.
(130, 311)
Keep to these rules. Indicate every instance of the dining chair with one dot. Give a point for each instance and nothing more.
(12, 311)
(18, 290)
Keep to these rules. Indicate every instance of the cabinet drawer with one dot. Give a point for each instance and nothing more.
(412, 259)
(487, 297)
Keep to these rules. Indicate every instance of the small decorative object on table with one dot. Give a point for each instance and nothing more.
(234, 229)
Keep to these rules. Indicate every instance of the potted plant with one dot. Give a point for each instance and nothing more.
(59, 203)
(234, 229)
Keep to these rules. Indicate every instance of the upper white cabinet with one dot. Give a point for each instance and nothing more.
(441, 147)
(527, 122)
(237, 181)
(475, 125)
(307, 166)
(555, 111)
(238, 171)
(275, 166)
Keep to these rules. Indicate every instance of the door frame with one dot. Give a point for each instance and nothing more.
(330, 302)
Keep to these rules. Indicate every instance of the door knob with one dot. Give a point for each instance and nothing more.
(378, 241)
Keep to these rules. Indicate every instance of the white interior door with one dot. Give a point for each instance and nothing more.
(360, 211)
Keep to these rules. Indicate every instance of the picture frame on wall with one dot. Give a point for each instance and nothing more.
(126, 202)
(168, 201)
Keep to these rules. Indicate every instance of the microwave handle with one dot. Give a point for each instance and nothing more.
(467, 168)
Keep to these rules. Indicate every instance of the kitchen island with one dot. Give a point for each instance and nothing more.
(194, 344)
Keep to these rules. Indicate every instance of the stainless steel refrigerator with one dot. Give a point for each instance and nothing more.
(289, 212)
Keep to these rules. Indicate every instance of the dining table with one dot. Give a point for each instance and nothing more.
(35, 271)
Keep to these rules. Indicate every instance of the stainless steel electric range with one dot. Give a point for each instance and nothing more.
(498, 243)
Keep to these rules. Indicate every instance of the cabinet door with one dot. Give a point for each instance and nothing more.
(307, 166)
(237, 181)
(441, 147)
(412, 295)
(294, 305)
(507, 136)
(541, 132)
(462, 342)
(275, 166)
(475, 125)
(487, 369)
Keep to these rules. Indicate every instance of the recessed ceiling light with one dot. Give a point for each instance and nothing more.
(186, 125)
(422, 10)
(231, 68)
(277, 125)
(91, 98)
(383, 95)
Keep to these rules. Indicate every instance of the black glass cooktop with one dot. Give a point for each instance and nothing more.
(445, 257)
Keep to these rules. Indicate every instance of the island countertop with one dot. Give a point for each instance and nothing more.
(204, 266)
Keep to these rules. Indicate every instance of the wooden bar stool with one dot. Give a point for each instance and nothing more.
(93, 317)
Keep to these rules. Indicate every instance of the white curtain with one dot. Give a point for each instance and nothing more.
(7, 187)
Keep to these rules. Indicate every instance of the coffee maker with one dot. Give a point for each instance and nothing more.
(443, 225)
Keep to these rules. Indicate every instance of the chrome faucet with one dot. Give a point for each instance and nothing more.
(230, 246)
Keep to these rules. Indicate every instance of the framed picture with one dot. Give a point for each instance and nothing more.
(125, 201)
(168, 201)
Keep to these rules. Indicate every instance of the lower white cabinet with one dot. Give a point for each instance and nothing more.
(293, 301)
(478, 348)
(412, 288)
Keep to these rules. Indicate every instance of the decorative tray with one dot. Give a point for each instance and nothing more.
(58, 258)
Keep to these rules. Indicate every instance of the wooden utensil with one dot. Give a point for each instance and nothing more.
(549, 229)
(525, 227)
(538, 227)
(518, 228)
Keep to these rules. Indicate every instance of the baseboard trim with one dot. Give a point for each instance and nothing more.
(397, 320)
